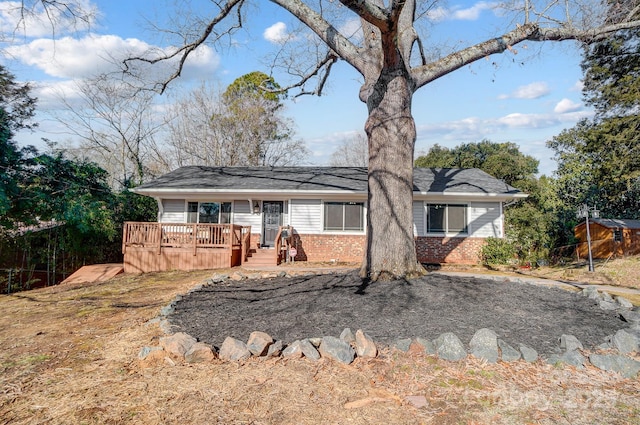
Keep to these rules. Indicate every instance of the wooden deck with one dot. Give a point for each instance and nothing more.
(151, 247)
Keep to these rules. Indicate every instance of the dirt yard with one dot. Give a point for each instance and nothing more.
(68, 355)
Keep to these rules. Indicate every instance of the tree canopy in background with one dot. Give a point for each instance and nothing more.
(242, 126)
(69, 198)
(599, 159)
(529, 223)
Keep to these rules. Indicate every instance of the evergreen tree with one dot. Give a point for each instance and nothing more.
(599, 159)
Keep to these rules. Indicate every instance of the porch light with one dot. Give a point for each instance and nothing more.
(256, 207)
(583, 212)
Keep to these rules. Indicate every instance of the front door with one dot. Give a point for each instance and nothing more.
(271, 221)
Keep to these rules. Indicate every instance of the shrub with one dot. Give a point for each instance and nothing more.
(498, 251)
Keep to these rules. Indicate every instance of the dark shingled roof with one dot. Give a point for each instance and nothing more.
(350, 179)
(617, 223)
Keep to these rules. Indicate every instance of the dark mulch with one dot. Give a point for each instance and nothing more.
(315, 306)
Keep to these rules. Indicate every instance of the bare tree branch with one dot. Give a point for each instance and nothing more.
(528, 32)
(183, 52)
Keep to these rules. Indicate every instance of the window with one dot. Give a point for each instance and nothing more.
(344, 216)
(446, 218)
(209, 212)
(617, 235)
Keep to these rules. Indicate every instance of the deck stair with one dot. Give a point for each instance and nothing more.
(261, 257)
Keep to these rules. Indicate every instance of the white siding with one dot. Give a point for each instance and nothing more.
(306, 215)
(173, 211)
(485, 220)
(243, 216)
(418, 218)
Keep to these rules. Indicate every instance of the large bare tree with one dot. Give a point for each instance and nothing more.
(353, 152)
(393, 57)
(115, 125)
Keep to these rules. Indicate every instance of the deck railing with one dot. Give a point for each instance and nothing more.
(182, 235)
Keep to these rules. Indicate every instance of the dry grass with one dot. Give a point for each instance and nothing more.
(68, 355)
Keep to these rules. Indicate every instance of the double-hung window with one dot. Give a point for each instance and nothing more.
(344, 216)
(447, 218)
(209, 212)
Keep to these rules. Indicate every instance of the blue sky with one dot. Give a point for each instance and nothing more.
(525, 97)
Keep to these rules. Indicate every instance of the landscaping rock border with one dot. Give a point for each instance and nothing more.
(614, 354)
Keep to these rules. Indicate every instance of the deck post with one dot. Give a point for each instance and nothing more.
(159, 231)
(194, 236)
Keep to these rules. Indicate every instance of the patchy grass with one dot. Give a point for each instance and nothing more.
(68, 355)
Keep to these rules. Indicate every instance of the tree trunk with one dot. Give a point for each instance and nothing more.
(390, 128)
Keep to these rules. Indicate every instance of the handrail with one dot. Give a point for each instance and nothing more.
(280, 250)
(246, 243)
(183, 235)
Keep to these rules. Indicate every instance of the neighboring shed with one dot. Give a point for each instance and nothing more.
(609, 238)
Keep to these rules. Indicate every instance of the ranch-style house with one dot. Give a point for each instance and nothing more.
(213, 217)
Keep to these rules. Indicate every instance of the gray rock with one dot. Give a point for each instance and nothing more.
(403, 344)
(309, 351)
(605, 345)
(177, 344)
(429, 348)
(199, 353)
(508, 353)
(574, 358)
(449, 347)
(259, 342)
(166, 327)
(233, 349)
(275, 349)
(365, 347)
(218, 278)
(293, 350)
(590, 292)
(484, 345)
(167, 310)
(624, 342)
(347, 336)
(570, 343)
(608, 305)
(624, 365)
(336, 349)
(315, 341)
(145, 351)
(607, 297)
(635, 331)
(528, 354)
(631, 316)
(623, 302)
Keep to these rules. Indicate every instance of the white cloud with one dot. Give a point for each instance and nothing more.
(530, 91)
(71, 58)
(578, 86)
(277, 33)
(457, 13)
(567, 105)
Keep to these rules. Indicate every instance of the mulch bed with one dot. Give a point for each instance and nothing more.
(320, 305)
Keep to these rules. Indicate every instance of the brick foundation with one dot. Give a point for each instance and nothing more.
(322, 248)
(350, 248)
(449, 250)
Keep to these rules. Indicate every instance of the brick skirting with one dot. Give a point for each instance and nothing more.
(350, 248)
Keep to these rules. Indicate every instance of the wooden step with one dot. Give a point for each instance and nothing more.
(262, 257)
